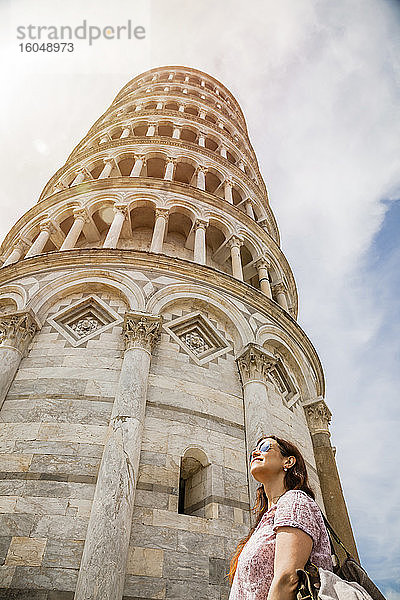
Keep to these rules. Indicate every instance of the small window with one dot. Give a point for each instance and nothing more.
(194, 483)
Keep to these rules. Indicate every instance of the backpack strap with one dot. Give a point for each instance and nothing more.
(333, 534)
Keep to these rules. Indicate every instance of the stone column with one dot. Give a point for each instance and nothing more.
(202, 113)
(114, 232)
(176, 134)
(280, 292)
(159, 105)
(181, 108)
(16, 332)
(126, 132)
(201, 178)
(199, 254)
(249, 209)
(137, 167)
(234, 245)
(228, 191)
(108, 167)
(41, 240)
(17, 252)
(254, 366)
(80, 177)
(151, 130)
(169, 169)
(105, 138)
(223, 151)
(318, 418)
(102, 570)
(202, 139)
(159, 229)
(75, 231)
(263, 277)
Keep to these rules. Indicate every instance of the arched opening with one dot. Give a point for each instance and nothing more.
(210, 144)
(140, 130)
(116, 134)
(155, 167)
(210, 118)
(194, 483)
(171, 106)
(125, 166)
(151, 106)
(212, 182)
(177, 241)
(191, 110)
(165, 130)
(142, 223)
(187, 135)
(184, 172)
(7, 305)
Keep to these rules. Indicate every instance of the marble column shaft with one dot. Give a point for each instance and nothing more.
(114, 232)
(16, 332)
(318, 418)
(255, 365)
(237, 270)
(75, 231)
(40, 242)
(102, 570)
(159, 230)
(199, 253)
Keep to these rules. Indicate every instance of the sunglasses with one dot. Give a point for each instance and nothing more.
(262, 447)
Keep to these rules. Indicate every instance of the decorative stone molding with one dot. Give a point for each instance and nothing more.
(235, 242)
(200, 224)
(318, 416)
(255, 364)
(141, 330)
(279, 288)
(17, 330)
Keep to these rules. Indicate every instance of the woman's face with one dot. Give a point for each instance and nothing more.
(268, 463)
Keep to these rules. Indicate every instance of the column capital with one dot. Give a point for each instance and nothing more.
(202, 169)
(46, 225)
(235, 242)
(229, 182)
(318, 416)
(262, 263)
(120, 207)
(255, 364)
(200, 224)
(162, 212)
(17, 329)
(172, 160)
(140, 157)
(80, 213)
(141, 330)
(108, 160)
(279, 287)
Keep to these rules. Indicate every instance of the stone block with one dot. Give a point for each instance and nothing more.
(60, 448)
(19, 431)
(180, 565)
(8, 504)
(17, 524)
(48, 578)
(6, 575)
(72, 432)
(150, 587)
(187, 590)
(235, 459)
(41, 506)
(63, 553)
(164, 518)
(61, 526)
(44, 463)
(218, 570)
(14, 594)
(202, 544)
(26, 551)
(152, 499)
(147, 562)
(79, 508)
(147, 536)
(42, 488)
(4, 545)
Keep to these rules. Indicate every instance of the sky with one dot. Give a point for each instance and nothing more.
(318, 82)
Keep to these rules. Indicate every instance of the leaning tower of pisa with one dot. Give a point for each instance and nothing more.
(148, 336)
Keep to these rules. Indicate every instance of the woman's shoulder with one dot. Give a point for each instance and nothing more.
(298, 497)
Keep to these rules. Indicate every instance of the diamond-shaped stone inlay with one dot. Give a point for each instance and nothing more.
(84, 319)
(198, 337)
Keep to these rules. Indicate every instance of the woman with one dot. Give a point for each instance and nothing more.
(289, 528)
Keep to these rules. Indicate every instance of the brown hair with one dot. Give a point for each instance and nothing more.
(296, 478)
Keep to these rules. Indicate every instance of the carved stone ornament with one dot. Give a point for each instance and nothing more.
(17, 330)
(255, 364)
(318, 417)
(141, 331)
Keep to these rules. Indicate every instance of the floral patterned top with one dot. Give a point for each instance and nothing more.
(255, 568)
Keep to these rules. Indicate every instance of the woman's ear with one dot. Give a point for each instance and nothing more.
(290, 462)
